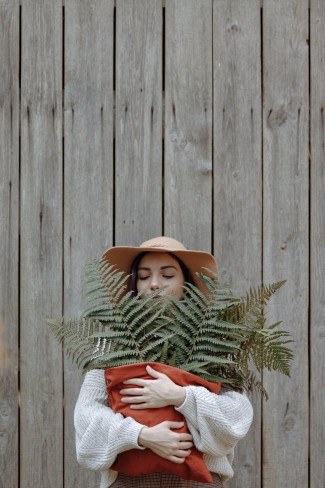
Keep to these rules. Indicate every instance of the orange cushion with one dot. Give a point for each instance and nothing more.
(136, 461)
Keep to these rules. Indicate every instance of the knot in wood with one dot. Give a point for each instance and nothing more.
(277, 117)
(248, 467)
(233, 28)
(289, 423)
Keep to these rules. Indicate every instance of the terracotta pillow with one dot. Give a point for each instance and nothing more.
(136, 461)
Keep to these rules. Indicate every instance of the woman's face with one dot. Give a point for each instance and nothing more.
(157, 270)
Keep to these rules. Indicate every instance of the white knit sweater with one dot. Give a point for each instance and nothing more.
(216, 422)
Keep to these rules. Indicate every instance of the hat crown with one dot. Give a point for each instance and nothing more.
(163, 242)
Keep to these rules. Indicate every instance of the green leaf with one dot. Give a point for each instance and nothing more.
(217, 336)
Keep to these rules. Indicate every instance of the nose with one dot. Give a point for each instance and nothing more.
(154, 285)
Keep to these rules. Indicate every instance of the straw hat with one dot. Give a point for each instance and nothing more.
(123, 256)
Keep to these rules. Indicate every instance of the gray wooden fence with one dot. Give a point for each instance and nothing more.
(119, 121)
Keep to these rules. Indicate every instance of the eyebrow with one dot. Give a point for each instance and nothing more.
(162, 267)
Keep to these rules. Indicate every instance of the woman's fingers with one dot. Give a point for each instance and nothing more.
(186, 445)
(185, 437)
(136, 399)
(135, 381)
(139, 406)
(131, 391)
(160, 391)
(142, 382)
(154, 373)
(179, 456)
(177, 460)
(173, 425)
(182, 453)
(166, 442)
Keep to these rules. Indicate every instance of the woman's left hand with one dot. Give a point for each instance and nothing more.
(158, 392)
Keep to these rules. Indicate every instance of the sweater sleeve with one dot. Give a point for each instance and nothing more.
(216, 422)
(101, 434)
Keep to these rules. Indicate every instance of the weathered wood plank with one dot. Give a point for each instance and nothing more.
(41, 417)
(238, 176)
(188, 122)
(9, 212)
(138, 159)
(88, 175)
(317, 245)
(285, 233)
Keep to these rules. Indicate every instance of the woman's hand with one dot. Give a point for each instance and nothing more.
(158, 392)
(165, 442)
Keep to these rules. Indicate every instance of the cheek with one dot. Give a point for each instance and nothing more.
(176, 291)
(178, 294)
(140, 286)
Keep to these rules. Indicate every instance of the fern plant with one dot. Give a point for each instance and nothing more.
(216, 335)
(131, 330)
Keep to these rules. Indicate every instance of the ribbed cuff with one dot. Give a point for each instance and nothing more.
(131, 435)
(188, 407)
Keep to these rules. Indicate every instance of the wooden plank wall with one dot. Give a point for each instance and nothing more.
(125, 119)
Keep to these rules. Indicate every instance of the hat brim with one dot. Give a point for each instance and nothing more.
(122, 258)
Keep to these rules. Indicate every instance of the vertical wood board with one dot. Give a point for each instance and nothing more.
(9, 216)
(138, 158)
(41, 420)
(188, 122)
(88, 176)
(317, 244)
(285, 233)
(238, 176)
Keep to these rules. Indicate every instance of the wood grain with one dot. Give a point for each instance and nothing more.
(188, 123)
(285, 233)
(88, 175)
(238, 176)
(41, 419)
(208, 143)
(317, 244)
(138, 161)
(9, 218)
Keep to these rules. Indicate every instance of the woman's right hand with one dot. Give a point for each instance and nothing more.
(165, 442)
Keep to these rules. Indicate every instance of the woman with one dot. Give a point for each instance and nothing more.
(216, 422)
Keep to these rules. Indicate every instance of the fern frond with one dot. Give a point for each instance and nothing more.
(76, 334)
(216, 335)
(256, 299)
